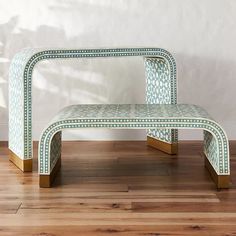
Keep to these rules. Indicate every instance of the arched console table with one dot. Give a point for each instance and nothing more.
(161, 88)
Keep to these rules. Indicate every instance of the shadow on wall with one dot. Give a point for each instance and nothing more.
(6, 33)
(208, 82)
(65, 82)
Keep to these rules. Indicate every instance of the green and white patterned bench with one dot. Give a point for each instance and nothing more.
(135, 116)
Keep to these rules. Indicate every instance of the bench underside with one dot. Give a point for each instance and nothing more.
(221, 181)
(46, 181)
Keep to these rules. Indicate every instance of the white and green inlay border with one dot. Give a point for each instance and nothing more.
(22, 69)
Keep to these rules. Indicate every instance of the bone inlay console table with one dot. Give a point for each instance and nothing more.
(161, 88)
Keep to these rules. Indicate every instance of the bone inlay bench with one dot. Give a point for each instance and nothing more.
(135, 116)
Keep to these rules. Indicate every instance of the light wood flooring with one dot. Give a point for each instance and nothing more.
(118, 188)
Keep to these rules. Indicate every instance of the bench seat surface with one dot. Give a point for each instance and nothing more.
(131, 111)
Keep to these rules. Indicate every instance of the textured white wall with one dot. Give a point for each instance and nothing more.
(200, 33)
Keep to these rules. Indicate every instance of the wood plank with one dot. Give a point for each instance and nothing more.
(9, 207)
(176, 230)
(203, 206)
(117, 218)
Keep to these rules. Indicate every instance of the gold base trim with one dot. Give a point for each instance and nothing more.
(221, 181)
(170, 148)
(46, 181)
(23, 165)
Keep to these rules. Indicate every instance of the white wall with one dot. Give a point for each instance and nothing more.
(200, 33)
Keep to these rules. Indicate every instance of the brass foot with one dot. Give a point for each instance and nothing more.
(170, 148)
(45, 181)
(23, 165)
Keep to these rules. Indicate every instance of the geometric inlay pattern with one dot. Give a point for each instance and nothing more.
(160, 90)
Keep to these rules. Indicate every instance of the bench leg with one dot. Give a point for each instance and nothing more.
(23, 165)
(53, 160)
(214, 159)
(221, 181)
(170, 148)
(46, 181)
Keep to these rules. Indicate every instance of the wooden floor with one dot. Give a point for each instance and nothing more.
(118, 188)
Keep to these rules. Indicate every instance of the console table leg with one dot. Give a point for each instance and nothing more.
(170, 148)
(23, 165)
